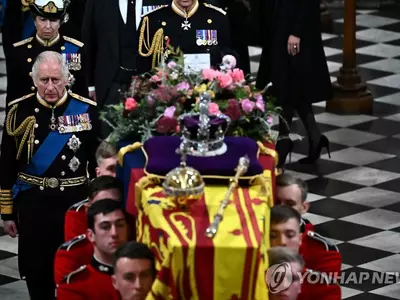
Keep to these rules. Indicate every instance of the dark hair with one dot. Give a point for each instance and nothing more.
(102, 183)
(135, 250)
(104, 151)
(281, 214)
(104, 206)
(285, 180)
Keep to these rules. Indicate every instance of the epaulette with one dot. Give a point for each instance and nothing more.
(23, 42)
(67, 278)
(73, 41)
(79, 205)
(67, 245)
(158, 8)
(328, 245)
(222, 11)
(20, 99)
(83, 99)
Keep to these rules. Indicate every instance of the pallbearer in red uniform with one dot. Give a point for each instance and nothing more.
(107, 231)
(134, 271)
(285, 231)
(99, 188)
(78, 250)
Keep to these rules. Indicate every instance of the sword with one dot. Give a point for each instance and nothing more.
(240, 170)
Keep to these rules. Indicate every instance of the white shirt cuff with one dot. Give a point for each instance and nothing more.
(91, 89)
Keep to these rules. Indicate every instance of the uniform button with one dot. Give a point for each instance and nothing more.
(209, 21)
(163, 23)
(30, 74)
(62, 48)
(62, 173)
(29, 60)
(166, 37)
(36, 142)
(61, 188)
(41, 188)
(32, 88)
(36, 110)
(63, 157)
(36, 125)
(29, 46)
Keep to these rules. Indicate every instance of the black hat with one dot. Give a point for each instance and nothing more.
(53, 9)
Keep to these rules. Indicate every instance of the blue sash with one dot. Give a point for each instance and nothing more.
(3, 9)
(49, 150)
(29, 27)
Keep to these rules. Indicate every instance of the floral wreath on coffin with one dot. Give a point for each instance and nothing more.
(153, 103)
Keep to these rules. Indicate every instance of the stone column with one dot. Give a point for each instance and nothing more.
(351, 94)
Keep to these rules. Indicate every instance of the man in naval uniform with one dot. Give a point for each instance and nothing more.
(48, 16)
(47, 151)
(192, 26)
(109, 33)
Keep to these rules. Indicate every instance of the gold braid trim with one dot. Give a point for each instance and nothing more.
(157, 44)
(6, 202)
(26, 130)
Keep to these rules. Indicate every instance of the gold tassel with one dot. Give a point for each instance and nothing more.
(157, 44)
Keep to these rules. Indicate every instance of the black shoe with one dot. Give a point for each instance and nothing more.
(284, 147)
(314, 153)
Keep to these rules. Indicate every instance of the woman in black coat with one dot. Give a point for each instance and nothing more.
(293, 59)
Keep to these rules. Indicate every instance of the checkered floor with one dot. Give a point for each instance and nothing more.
(355, 195)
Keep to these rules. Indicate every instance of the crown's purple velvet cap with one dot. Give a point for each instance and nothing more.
(192, 125)
(162, 157)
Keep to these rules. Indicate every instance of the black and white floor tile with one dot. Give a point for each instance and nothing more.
(355, 195)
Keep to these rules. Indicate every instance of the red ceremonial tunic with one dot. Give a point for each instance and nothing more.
(321, 257)
(71, 255)
(89, 282)
(75, 222)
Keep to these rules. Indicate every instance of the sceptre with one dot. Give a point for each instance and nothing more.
(240, 170)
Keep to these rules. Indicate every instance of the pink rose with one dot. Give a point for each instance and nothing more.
(270, 120)
(183, 86)
(130, 104)
(210, 74)
(169, 112)
(260, 104)
(237, 75)
(247, 105)
(224, 80)
(213, 109)
(155, 78)
(171, 64)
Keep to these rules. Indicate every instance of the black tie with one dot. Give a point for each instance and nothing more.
(131, 16)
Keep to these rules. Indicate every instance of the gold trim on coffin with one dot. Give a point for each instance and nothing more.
(52, 182)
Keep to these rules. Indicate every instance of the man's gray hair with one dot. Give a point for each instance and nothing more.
(50, 56)
(280, 255)
(286, 179)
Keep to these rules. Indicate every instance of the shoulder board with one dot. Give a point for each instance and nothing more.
(156, 9)
(83, 99)
(328, 244)
(67, 245)
(79, 205)
(67, 279)
(73, 41)
(20, 99)
(23, 42)
(215, 7)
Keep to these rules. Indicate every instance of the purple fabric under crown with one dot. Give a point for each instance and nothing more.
(162, 157)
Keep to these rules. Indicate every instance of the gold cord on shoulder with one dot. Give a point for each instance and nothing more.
(26, 130)
(155, 47)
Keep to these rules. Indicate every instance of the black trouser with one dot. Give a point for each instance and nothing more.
(306, 115)
(41, 232)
